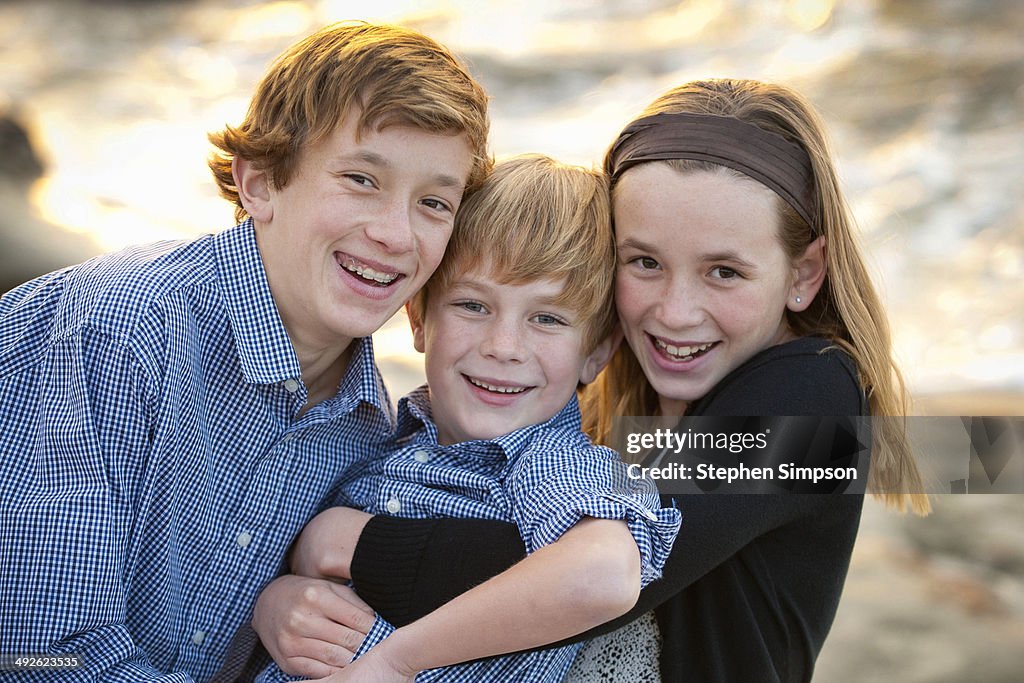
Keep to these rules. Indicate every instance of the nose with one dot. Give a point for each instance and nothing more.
(681, 305)
(392, 227)
(502, 341)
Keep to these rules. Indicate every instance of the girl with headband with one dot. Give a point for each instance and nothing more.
(741, 292)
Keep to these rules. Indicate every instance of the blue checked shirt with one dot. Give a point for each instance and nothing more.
(544, 478)
(153, 470)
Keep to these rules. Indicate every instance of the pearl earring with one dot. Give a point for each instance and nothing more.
(798, 300)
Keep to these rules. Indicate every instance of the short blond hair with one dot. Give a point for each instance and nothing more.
(532, 219)
(392, 75)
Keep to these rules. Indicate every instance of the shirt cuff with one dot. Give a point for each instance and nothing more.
(380, 630)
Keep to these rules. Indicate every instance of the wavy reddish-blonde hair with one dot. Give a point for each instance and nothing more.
(390, 75)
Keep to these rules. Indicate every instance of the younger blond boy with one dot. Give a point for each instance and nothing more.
(517, 316)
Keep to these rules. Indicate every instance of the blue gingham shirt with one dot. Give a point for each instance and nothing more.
(544, 478)
(153, 469)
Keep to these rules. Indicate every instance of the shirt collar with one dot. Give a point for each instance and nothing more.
(415, 414)
(362, 381)
(264, 348)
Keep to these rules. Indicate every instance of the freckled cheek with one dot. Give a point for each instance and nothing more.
(633, 300)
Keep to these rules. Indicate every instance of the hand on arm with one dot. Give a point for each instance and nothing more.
(590, 575)
(311, 625)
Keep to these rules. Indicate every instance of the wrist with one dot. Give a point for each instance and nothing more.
(399, 652)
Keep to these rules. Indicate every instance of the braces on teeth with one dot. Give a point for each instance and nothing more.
(370, 274)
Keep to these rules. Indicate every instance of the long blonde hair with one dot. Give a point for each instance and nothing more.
(847, 309)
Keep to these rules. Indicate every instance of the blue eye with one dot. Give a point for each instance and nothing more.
(471, 306)
(548, 319)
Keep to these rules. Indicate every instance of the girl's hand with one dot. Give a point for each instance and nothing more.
(311, 627)
(373, 667)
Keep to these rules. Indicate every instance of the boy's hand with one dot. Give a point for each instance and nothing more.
(311, 627)
(324, 548)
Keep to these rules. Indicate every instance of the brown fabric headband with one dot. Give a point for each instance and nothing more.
(725, 140)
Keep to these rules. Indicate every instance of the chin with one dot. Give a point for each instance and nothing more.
(364, 327)
(677, 393)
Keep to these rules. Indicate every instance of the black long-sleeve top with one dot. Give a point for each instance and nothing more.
(753, 582)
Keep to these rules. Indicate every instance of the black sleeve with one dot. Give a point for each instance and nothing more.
(406, 568)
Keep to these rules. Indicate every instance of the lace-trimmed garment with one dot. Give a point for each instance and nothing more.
(628, 654)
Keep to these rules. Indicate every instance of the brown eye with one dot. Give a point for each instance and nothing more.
(645, 262)
(359, 179)
(436, 205)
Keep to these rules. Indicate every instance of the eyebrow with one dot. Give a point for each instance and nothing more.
(482, 287)
(729, 256)
(375, 159)
(631, 243)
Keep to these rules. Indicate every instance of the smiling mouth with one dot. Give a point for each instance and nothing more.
(369, 275)
(503, 389)
(682, 354)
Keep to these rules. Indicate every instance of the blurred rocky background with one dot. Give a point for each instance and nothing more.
(104, 106)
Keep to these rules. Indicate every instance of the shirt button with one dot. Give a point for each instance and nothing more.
(291, 385)
(393, 506)
(198, 637)
(287, 437)
(421, 456)
(243, 539)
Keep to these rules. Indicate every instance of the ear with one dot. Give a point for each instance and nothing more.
(417, 329)
(809, 271)
(253, 189)
(600, 356)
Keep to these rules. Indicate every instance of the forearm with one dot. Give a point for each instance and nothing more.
(324, 548)
(589, 576)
